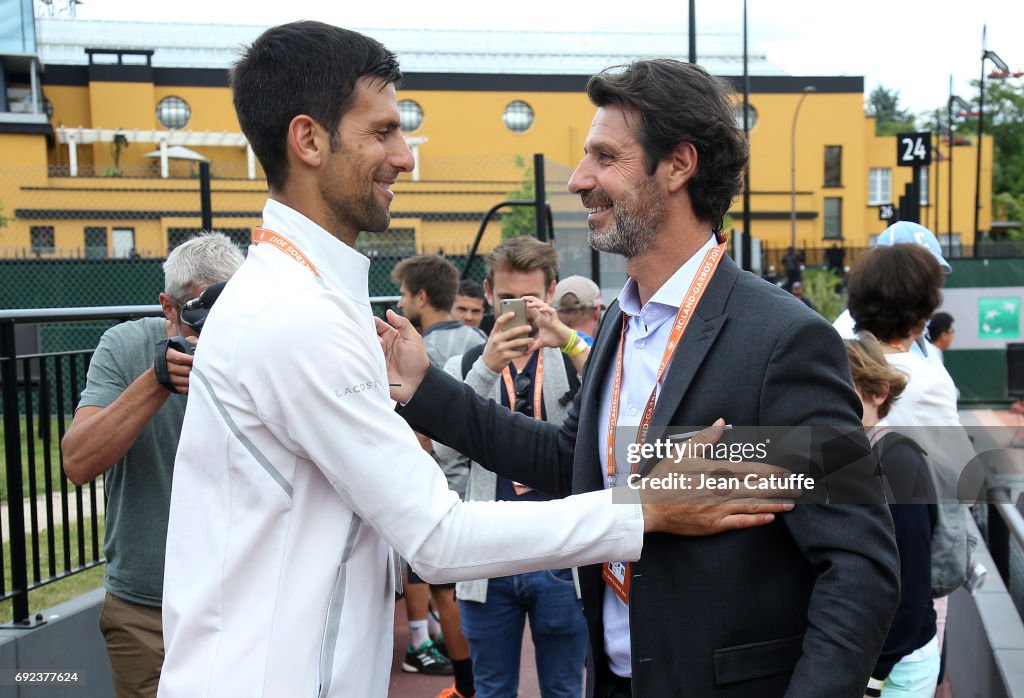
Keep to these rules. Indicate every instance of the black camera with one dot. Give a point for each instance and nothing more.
(193, 314)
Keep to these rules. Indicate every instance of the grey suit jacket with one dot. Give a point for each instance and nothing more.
(799, 607)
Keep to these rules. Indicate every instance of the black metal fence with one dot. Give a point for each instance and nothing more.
(1002, 524)
(53, 528)
(839, 257)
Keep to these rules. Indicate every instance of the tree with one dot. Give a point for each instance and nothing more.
(1004, 122)
(884, 105)
(520, 220)
(822, 286)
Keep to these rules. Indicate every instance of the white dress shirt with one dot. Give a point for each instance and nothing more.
(647, 335)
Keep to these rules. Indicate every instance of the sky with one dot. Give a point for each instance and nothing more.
(912, 46)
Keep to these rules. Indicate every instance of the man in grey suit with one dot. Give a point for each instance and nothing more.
(799, 607)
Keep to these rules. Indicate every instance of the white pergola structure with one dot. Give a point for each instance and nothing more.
(164, 140)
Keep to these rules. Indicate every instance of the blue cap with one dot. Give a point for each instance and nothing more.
(907, 232)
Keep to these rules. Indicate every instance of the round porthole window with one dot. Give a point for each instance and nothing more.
(410, 115)
(737, 112)
(518, 116)
(173, 112)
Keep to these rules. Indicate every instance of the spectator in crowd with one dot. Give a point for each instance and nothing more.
(539, 382)
(427, 287)
(469, 303)
(294, 476)
(835, 258)
(126, 428)
(797, 289)
(903, 232)
(793, 264)
(909, 664)
(808, 601)
(578, 302)
(893, 290)
(941, 331)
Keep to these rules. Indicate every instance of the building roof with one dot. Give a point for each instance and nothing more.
(62, 41)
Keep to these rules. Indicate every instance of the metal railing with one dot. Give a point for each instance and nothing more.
(1004, 533)
(40, 390)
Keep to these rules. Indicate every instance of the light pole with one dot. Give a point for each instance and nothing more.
(792, 168)
(964, 110)
(1002, 72)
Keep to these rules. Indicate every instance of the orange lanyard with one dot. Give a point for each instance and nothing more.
(538, 384)
(690, 301)
(285, 245)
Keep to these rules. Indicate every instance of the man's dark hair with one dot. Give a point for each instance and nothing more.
(301, 68)
(431, 273)
(893, 288)
(680, 102)
(939, 325)
(470, 289)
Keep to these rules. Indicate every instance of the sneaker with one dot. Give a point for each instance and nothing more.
(450, 692)
(425, 659)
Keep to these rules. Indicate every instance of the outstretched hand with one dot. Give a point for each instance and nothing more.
(403, 350)
(690, 508)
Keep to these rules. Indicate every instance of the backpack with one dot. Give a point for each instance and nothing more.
(470, 357)
(951, 546)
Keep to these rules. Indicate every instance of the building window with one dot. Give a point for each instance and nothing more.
(173, 112)
(518, 116)
(879, 186)
(124, 243)
(737, 112)
(833, 218)
(95, 243)
(410, 115)
(41, 237)
(924, 186)
(833, 165)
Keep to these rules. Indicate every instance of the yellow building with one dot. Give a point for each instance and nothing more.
(98, 116)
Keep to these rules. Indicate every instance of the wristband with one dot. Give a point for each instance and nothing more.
(163, 376)
(571, 344)
(874, 687)
(577, 349)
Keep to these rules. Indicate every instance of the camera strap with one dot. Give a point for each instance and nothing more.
(163, 375)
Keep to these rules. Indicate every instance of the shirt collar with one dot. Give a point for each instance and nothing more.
(671, 293)
(342, 268)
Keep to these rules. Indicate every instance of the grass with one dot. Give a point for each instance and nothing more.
(39, 452)
(63, 590)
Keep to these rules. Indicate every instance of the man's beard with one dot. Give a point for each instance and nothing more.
(365, 214)
(636, 218)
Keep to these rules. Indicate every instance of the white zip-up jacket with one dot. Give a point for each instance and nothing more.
(295, 479)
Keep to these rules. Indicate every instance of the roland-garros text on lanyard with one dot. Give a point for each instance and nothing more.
(682, 321)
(285, 245)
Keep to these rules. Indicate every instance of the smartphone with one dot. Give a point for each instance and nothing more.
(513, 305)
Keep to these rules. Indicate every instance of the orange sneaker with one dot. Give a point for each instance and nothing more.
(450, 692)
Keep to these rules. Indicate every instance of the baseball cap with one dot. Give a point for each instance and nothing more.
(586, 292)
(907, 232)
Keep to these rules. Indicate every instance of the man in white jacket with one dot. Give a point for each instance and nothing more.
(294, 479)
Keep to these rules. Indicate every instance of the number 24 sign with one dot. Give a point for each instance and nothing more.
(914, 149)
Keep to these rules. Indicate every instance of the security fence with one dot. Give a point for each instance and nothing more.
(98, 238)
